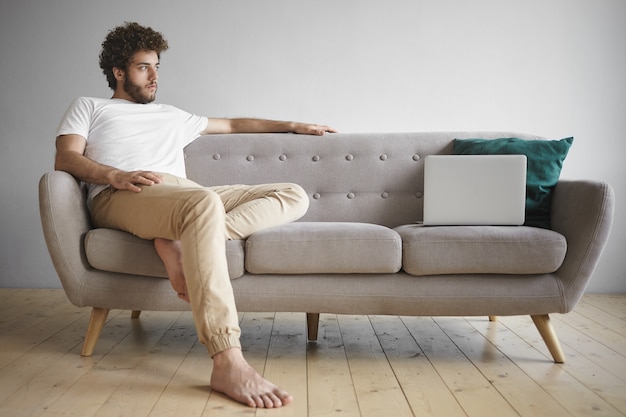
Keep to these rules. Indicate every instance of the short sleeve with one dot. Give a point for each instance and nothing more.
(77, 118)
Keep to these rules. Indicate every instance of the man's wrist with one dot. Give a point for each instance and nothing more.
(111, 176)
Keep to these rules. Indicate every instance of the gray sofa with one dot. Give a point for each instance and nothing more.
(358, 250)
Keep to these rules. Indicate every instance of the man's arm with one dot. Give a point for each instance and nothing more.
(70, 158)
(223, 126)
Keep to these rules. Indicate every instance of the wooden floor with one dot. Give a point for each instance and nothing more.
(361, 366)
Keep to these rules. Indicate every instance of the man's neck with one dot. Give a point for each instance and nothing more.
(122, 95)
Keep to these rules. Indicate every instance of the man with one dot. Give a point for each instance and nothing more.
(129, 150)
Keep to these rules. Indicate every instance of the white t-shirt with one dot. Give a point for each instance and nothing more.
(132, 136)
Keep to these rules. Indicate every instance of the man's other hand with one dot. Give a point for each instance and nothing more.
(124, 180)
(312, 129)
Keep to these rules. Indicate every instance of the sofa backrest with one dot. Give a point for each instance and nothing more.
(364, 177)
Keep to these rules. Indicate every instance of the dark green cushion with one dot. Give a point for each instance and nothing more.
(545, 161)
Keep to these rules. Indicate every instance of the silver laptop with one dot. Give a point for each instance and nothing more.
(474, 189)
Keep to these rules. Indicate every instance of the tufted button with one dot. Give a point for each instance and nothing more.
(315, 158)
(249, 158)
(416, 157)
(383, 157)
(385, 195)
(283, 157)
(185, 156)
(419, 194)
(349, 157)
(217, 156)
(316, 196)
(350, 196)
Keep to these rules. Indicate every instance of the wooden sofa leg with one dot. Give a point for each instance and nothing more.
(135, 314)
(312, 324)
(546, 330)
(493, 318)
(96, 323)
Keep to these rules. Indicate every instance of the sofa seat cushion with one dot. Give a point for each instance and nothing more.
(117, 251)
(480, 249)
(324, 247)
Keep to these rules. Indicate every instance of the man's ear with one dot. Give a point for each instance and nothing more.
(118, 73)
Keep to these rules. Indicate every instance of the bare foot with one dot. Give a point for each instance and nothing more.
(234, 377)
(171, 255)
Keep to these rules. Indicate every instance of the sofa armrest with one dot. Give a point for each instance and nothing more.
(582, 211)
(65, 221)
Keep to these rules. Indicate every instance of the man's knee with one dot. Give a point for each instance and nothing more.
(300, 200)
(203, 201)
(207, 197)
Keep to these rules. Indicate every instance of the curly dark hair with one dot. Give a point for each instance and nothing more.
(123, 42)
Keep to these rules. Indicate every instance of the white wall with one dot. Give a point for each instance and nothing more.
(555, 68)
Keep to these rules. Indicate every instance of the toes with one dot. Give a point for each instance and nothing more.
(265, 401)
(281, 397)
(273, 400)
(253, 402)
(258, 402)
(285, 398)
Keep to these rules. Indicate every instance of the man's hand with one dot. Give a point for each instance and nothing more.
(312, 129)
(70, 158)
(123, 180)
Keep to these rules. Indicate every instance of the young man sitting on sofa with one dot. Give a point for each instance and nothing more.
(129, 150)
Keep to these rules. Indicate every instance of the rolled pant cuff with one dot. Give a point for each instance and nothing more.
(222, 342)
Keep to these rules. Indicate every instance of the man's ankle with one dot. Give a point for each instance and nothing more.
(227, 356)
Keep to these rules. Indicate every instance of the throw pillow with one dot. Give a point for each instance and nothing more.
(545, 161)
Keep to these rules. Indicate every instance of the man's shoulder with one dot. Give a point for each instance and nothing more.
(91, 99)
(91, 102)
(168, 107)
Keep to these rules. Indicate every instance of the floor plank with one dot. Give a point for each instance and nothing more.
(286, 363)
(606, 385)
(602, 316)
(188, 391)
(92, 391)
(426, 392)
(135, 397)
(472, 390)
(600, 332)
(578, 341)
(612, 304)
(376, 386)
(33, 324)
(361, 365)
(330, 388)
(515, 386)
(575, 397)
(21, 370)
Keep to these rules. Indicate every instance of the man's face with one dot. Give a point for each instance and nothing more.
(140, 79)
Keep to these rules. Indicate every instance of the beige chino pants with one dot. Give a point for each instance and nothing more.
(202, 218)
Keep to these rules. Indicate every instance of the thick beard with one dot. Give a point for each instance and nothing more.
(134, 91)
